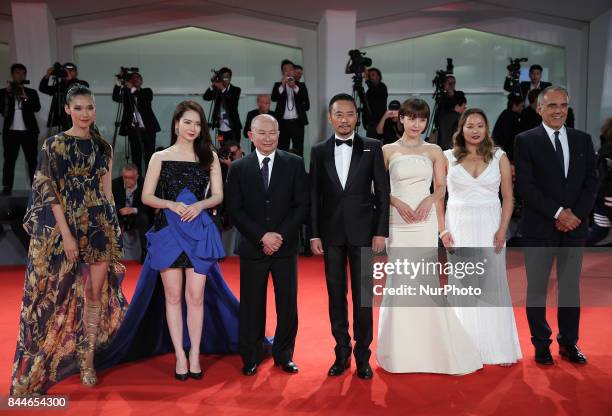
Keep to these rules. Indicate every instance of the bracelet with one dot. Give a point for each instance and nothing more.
(443, 233)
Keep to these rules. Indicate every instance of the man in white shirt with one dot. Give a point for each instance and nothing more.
(18, 106)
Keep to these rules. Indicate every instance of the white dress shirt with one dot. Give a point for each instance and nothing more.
(260, 158)
(290, 110)
(564, 146)
(18, 123)
(342, 158)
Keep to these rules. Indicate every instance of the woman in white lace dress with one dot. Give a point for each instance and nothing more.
(476, 172)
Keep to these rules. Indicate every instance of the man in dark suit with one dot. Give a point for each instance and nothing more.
(225, 97)
(292, 102)
(267, 199)
(508, 126)
(535, 75)
(263, 107)
(63, 77)
(555, 170)
(349, 206)
(138, 121)
(133, 214)
(18, 105)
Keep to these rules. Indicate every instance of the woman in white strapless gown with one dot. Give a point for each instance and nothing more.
(474, 218)
(418, 339)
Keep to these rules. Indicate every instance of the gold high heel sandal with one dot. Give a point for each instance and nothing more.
(92, 320)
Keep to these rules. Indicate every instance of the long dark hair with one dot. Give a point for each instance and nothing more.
(202, 146)
(81, 90)
(486, 148)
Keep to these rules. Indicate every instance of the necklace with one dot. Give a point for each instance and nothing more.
(410, 146)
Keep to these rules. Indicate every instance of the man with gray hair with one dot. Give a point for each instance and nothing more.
(267, 200)
(555, 171)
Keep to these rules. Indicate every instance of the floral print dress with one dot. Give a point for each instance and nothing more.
(52, 335)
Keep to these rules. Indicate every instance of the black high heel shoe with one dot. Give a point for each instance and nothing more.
(195, 376)
(181, 377)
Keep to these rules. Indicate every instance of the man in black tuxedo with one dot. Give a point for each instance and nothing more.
(267, 199)
(535, 76)
(63, 78)
(555, 170)
(132, 213)
(138, 121)
(292, 102)
(18, 105)
(263, 107)
(349, 206)
(225, 97)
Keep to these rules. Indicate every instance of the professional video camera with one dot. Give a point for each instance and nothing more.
(515, 74)
(440, 78)
(218, 76)
(357, 63)
(125, 73)
(59, 70)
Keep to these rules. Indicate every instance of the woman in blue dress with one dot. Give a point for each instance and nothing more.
(182, 183)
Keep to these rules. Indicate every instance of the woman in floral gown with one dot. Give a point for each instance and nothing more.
(72, 301)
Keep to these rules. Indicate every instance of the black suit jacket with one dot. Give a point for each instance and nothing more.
(543, 187)
(302, 102)
(229, 100)
(28, 108)
(249, 119)
(525, 85)
(506, 128)
(356, 213)
(57, 115)
(282, 209)
(142, 98)
(119, 197)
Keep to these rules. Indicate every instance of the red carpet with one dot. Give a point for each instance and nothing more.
(148, 388)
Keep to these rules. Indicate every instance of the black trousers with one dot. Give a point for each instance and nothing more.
(11, 141)
(539, 258)
(291, 131)
(253, 291)
(335, 258)
(142, 145)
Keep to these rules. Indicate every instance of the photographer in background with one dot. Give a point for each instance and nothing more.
(535, 75)
(298, 71)
(63, 77)
(263, 107)
(225, 97)
(388, 129)
(508, 125)
(529, 116)
(134, 216)
(449, 120)
(377, 100)
(138, 121)
(229, 152)
(18, 105)
(292, 102)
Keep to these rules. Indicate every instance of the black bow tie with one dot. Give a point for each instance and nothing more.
(348, 142)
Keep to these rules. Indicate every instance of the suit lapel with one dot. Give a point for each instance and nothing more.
(277, 170)
(573, 151)
(330, 162)
(355, 159)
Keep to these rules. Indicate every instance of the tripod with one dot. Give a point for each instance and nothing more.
(118, 119)
(361, 101)
(57, 111)
(433, 120)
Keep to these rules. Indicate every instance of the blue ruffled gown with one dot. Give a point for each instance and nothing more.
(173, 243)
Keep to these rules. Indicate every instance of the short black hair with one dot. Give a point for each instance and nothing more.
(229, 143)
(17, 66)
(535, 66)
(341, 97)
(513, 100)
(224, 70)
(298, 67)
(459, 99)
(394, 105)
(377, 71)
(285, 62)
(70, 65)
